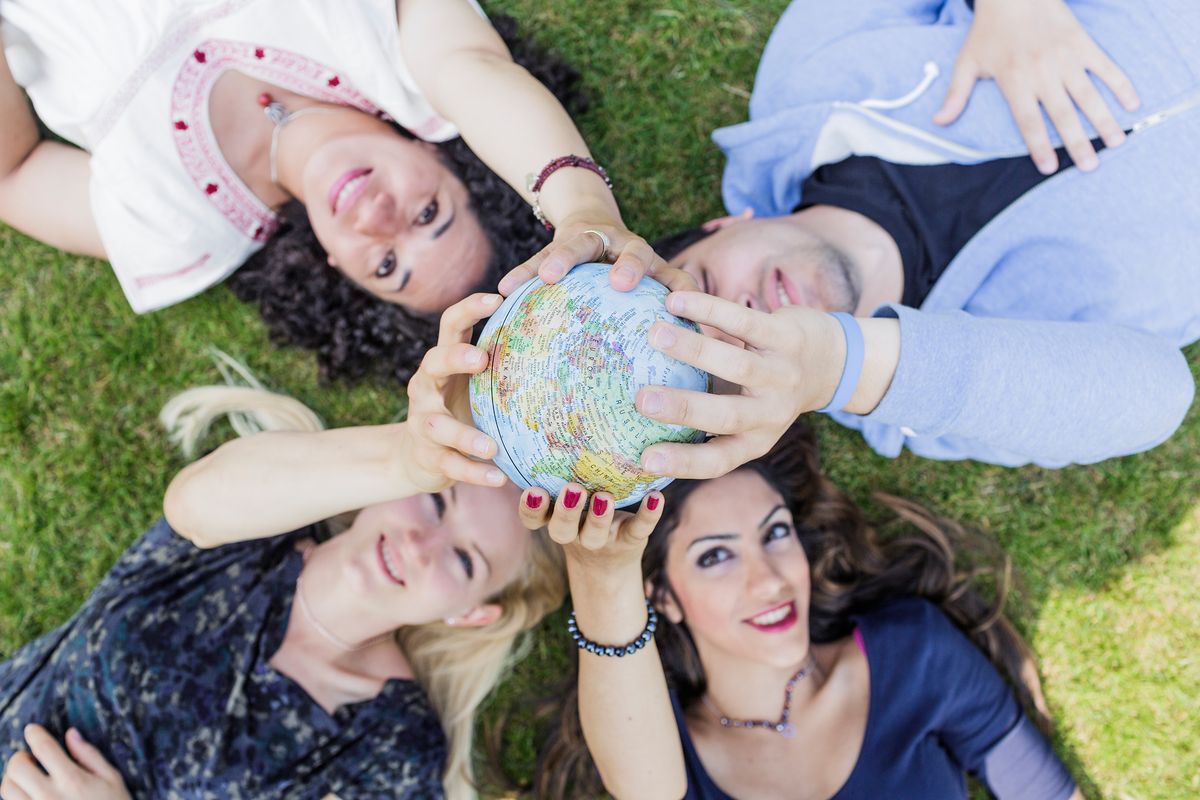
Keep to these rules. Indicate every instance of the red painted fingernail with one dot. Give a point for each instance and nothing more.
(599, 506)
(652, 502)
(533, 500)
(571, 499)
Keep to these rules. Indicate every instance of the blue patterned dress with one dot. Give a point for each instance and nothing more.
(165, 670)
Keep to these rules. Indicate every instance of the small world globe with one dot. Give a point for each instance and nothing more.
(565, 364)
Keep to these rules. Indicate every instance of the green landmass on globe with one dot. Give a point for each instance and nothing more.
(566, 361)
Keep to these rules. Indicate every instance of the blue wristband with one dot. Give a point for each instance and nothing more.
(852, 368)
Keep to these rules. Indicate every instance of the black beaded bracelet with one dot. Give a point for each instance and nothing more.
(622, 650)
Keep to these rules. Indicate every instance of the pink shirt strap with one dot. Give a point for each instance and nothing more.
(859, 640)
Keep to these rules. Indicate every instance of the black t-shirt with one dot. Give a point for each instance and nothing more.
(931, 211)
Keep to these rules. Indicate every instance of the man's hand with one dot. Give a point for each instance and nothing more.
(1041, 57)
(51, 773)
(791, 364)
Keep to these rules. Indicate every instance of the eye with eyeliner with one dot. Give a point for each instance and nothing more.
(387, 265)
(428, 214)
(713, 557)
(467, 564)
(777, 532)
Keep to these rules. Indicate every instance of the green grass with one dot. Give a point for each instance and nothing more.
(1106, 554)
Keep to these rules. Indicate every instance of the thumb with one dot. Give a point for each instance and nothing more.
(88, 757)
(962, 82)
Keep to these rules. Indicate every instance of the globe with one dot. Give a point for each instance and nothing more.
(566, 361)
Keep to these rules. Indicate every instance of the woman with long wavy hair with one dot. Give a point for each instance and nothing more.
(762, 642)
(235, 650)
(390, 144)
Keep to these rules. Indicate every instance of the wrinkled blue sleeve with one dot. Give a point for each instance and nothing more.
(1014, 392)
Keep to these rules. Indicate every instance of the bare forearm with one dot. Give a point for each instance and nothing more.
(623, 702)
(271, 483)
(509, 119)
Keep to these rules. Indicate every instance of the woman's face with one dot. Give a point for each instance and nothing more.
(430, 557)
(739, 573)
(394, 219)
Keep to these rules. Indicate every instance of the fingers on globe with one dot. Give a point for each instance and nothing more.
(447, 360)
(518, 275)
(673, 278)
(714, 414)
(561, 257)
(597, 525)
(458, 321)
(564, 522)
(712, 459)
(534, 508)
(722, 359)
(638, 527)
(744, 324)
(447, 431)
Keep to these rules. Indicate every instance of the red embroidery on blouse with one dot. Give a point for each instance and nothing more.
(180, 125)
(145, 281)
(259, 54)
(334, 81)
(198, 150)
(199, 56)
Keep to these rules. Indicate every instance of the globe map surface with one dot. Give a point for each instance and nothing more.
(566, 361)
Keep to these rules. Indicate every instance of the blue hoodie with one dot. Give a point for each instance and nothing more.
(1054, 336)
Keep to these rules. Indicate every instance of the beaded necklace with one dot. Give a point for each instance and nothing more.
(782, 726)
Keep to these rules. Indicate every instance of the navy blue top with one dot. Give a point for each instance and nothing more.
(165, 670)
(931, 211)
(938, 708)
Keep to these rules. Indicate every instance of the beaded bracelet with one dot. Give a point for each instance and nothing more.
(535, 182)
(641, 641)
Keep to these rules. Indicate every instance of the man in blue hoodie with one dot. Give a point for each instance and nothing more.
(1004, 314)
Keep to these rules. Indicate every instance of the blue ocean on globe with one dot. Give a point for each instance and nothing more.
(566, 362)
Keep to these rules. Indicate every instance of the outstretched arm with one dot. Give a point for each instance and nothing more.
(43, 185)
(624, 706)
(516, 126)
(271, 483)
(959, 386)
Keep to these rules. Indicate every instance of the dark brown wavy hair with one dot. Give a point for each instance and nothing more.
(355, 334)
(853, 569)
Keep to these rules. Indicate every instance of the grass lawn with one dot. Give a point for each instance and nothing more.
(1106, 554)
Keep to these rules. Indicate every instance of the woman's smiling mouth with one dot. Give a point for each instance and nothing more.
(347, 189)
(389, 562)
(776, 619)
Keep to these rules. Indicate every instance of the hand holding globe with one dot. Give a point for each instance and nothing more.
(565, 362)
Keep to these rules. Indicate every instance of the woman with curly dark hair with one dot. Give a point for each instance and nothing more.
(764, 643)
(203, 129)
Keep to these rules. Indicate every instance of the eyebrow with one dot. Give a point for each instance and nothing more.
(770, 514)
(725, 537)
(445, 225)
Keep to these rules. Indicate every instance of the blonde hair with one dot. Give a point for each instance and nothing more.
(458, 667)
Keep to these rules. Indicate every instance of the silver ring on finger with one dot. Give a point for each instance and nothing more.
(605, 244)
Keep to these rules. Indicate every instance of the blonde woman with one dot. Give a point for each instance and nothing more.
(230, 652)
